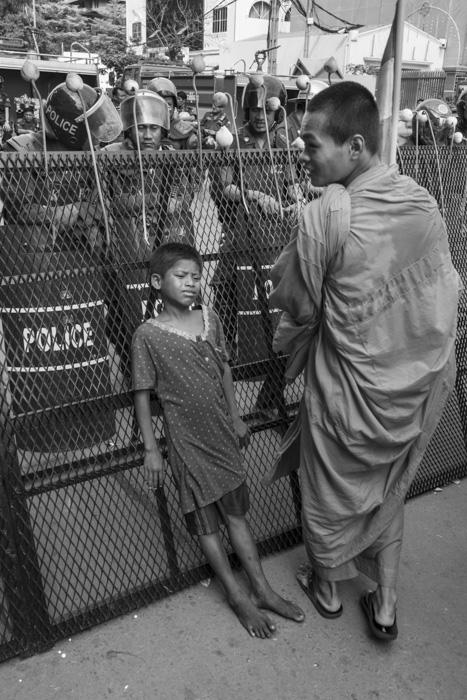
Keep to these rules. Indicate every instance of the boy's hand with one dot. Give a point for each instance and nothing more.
(242, 431)
(153, 469)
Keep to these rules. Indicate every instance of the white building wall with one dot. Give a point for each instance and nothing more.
(417, 47)
(136, 12)
(230, 49)
(240, 28)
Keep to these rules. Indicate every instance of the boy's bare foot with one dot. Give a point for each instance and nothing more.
(256, 623)
(270, 600)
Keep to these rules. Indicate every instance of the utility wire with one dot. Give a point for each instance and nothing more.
(221, 4)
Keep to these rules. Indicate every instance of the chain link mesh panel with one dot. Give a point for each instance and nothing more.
(81, 538)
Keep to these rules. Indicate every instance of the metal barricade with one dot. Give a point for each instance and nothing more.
(81, 539)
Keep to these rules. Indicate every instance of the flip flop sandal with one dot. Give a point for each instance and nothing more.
(380, 631)
(307, 584)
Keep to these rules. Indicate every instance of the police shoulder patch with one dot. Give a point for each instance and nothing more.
(281, 139)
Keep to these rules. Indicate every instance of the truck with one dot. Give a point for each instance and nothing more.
(52, 69)
(207, 83)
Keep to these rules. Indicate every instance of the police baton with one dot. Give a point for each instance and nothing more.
(74, 82)
(30, 73)
(131, 88)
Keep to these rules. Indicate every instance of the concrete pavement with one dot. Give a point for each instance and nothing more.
(191, 647)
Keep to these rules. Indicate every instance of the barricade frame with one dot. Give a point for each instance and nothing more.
(36, 606)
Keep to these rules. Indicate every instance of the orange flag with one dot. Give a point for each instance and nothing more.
(388, 88)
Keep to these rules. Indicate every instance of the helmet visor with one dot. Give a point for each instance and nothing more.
(103, 119)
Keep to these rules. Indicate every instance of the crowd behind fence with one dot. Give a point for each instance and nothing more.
(81, 539)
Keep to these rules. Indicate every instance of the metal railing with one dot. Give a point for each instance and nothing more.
(421, 85)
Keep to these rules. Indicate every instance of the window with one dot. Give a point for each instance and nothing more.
(219, 20)
(136, 33)
(260, 10)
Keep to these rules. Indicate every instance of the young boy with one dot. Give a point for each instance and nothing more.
(181, 355)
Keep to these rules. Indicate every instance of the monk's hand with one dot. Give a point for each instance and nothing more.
(295, 193)
(153, 469)
(242, 431)
(267, 204)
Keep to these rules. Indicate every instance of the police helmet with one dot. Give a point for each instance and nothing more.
(64, 114)
(315, 86)
(164, 87)
(258, 95)
(437, 128)
(150, 109)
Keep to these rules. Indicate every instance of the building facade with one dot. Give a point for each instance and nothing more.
(136, 35)
(234, 33)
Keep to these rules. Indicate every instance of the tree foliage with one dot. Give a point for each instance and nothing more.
(173, 24)
(361, 69)
(10, 6)
(108, 37)
(60, 26)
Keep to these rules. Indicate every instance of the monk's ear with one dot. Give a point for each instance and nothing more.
(357, 146)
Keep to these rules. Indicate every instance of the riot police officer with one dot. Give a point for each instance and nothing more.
(294, 120)
(152, 123)
(150, 128)
(63, 204)
(182, 135)
(64, 122)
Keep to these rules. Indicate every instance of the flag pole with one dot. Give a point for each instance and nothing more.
(396, 95)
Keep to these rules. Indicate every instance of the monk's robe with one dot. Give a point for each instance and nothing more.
(369, 298)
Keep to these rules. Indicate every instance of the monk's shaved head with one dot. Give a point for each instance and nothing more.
(346, 109)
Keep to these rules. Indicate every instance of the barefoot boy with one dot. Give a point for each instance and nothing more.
(181, 355)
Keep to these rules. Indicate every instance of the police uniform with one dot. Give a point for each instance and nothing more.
(180, 183)
(182, 136)
(210, 125)
(265, 230)
(32, 142)
(126, 197)
(127, 293)
(247, 140)
(31, 126)
(46, 206)
(294, 124)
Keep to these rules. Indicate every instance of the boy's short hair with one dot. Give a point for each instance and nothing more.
(348, 108)
(169, 254)
(182, 94)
